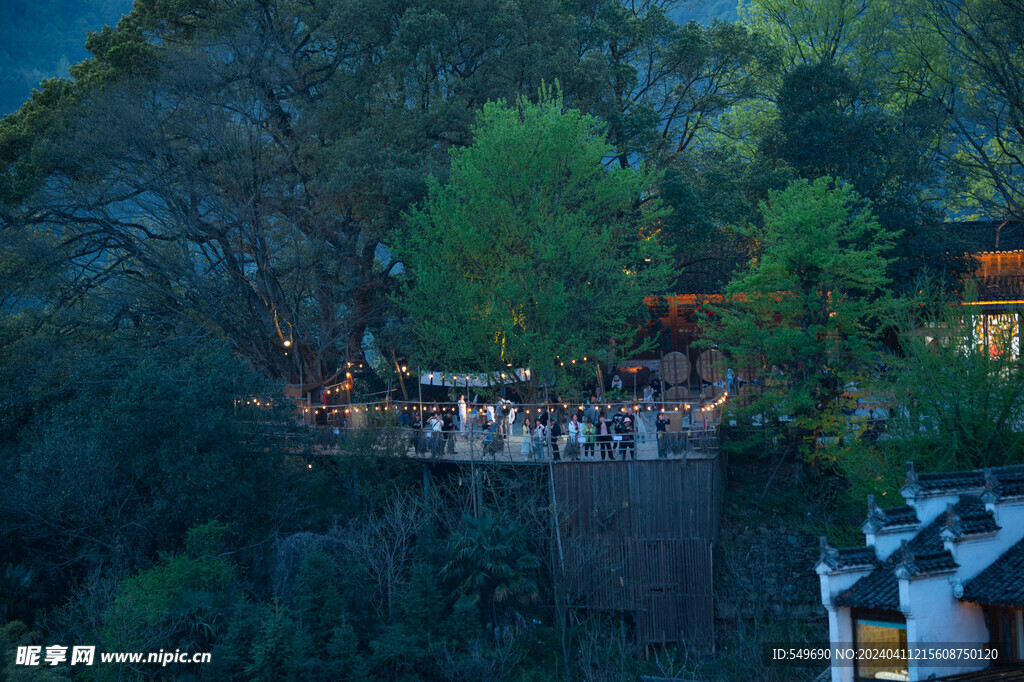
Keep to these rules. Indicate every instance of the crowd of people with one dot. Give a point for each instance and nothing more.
(587, 432)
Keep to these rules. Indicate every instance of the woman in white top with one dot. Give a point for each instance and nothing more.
(435, 433)
(463, 413)
(574, 429)
(538, 439)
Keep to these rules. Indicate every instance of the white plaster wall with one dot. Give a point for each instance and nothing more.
(935, 617)
(929, 508)
(839, 581)
(887, 543)
(840, 632)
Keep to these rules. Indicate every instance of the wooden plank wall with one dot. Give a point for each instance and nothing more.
(639, 536)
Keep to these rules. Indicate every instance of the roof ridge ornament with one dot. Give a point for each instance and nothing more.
(876, 517)
(906, 567)
(912, 486)
(829, 554)
(954, 528)
(993, 488)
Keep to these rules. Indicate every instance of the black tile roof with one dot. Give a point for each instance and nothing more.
(921, 555)
(1004, 482)
(933, 563)
(900, 516)
(853, 557)
(857, 556)
(1002, 583)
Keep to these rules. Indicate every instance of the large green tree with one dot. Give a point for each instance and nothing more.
(533, 250)
(264, 150)
(806, 312)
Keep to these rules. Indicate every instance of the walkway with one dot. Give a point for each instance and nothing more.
(680, 445)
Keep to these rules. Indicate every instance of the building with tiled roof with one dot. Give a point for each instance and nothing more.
(945, 569)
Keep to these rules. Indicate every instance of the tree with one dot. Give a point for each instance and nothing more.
(855, 33)
(490, 565)
(953, 397)
(969, 59)
(828, 125)
(532, 250)
(265, 150)
(807, 310)
(660, 86)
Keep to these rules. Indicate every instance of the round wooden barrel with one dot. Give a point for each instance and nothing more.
(711, 366)
(674, 394)
(675, 368)
(712, 393)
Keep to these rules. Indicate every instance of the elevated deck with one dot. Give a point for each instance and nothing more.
(463, 448)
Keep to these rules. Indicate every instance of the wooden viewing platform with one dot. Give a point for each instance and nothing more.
(677, 445)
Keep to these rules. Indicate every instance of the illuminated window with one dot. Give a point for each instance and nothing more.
(994, 334)
(878, 633)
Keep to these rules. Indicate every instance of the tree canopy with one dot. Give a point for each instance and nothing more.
(533, 249)
(806, 312)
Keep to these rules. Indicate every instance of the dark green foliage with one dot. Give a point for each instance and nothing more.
(806, 314)
(954, 403)
(203, 209)
(829, 126)
(488, 566)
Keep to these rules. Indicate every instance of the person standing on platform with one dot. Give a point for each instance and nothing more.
(575, 431)
(629, 437)
(448, 430)
(591, 413)
(655, 385)
(505, 407)
(640, 426)
(604, 438)
(621, 426)
(555, 432)
(527, 447)
(538, 439)
(589, 439)
(436, 426)
(463, 413)
(661, 425)
(417, 433)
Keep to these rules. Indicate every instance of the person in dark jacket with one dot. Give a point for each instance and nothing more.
(555, 431)
(448, 431)
(629, 438)
(661, 426)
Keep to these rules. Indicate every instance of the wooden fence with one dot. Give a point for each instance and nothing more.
(639, 536)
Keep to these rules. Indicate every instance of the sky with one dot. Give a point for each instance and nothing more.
(41, 39)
